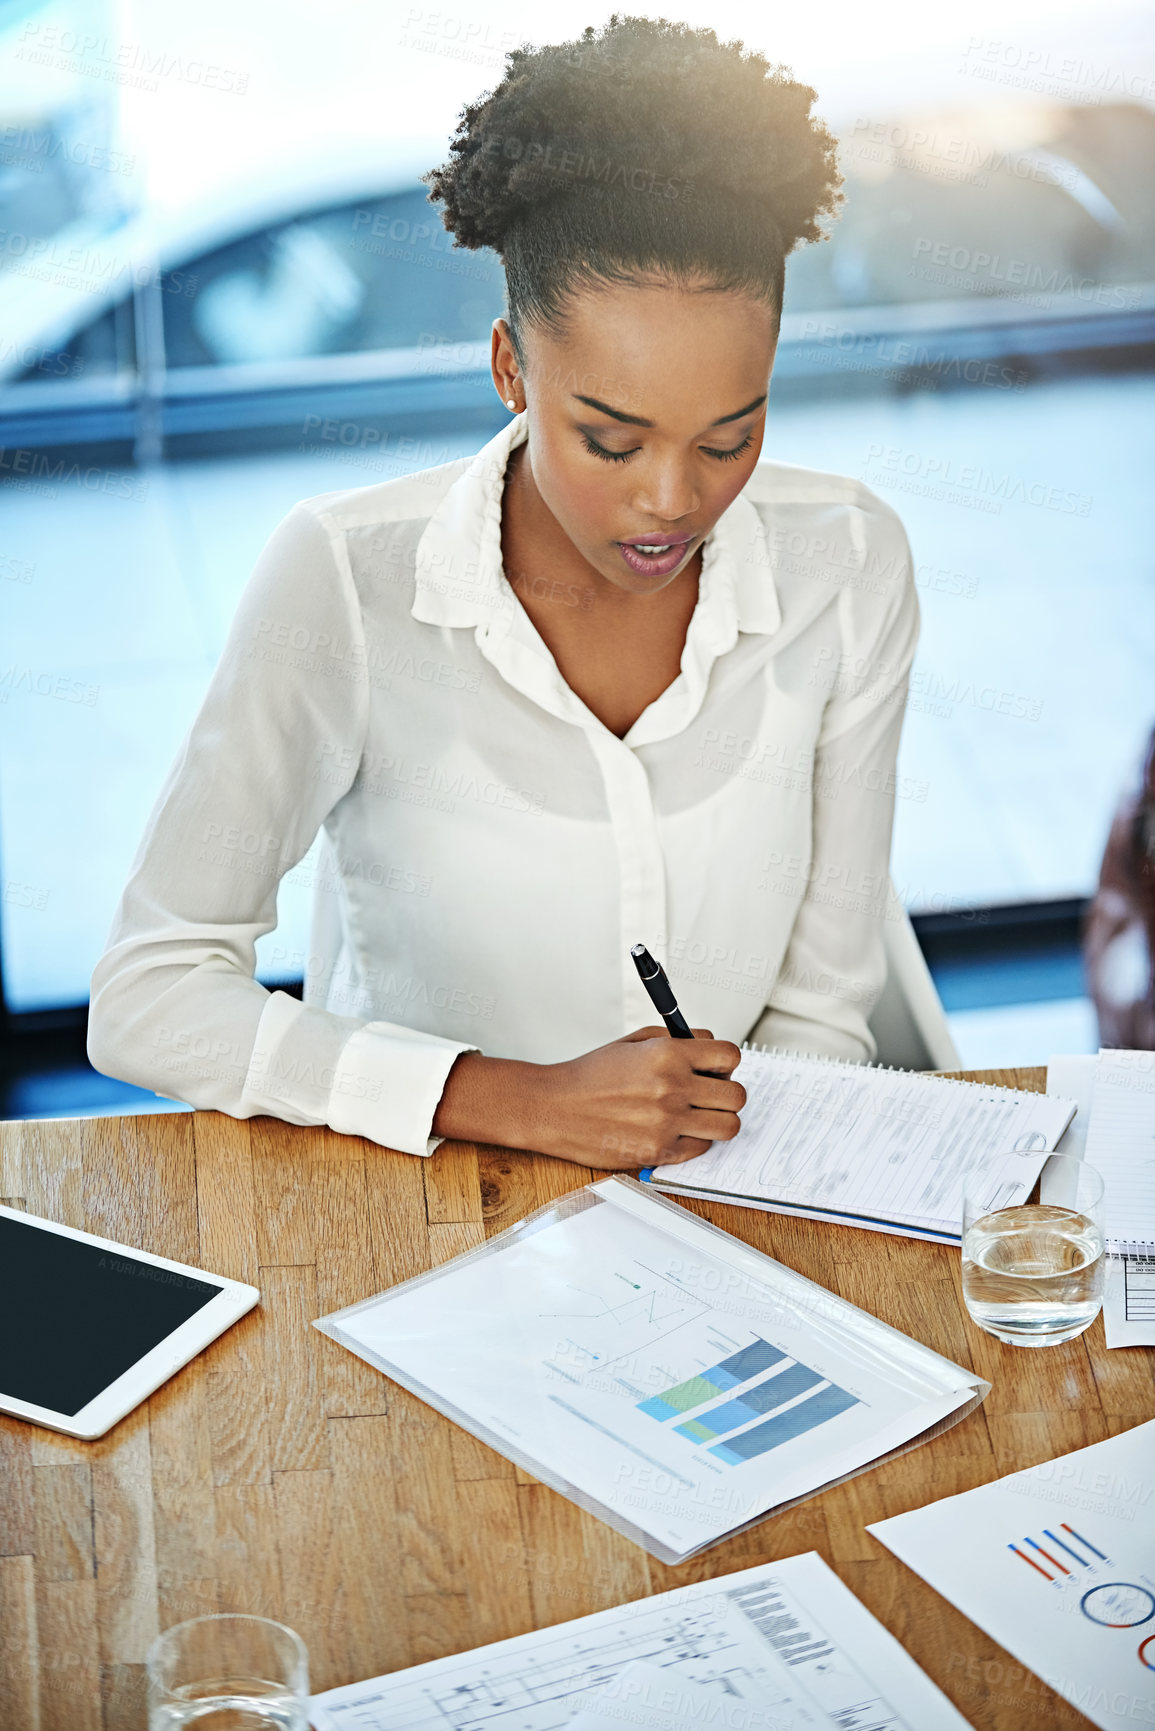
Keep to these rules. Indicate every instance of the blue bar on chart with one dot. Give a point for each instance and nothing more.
(751, 1403)
(708, 1384)
(1056, 1542)
(785, 1426)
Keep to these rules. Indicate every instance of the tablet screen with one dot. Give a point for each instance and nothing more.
(77, 1316)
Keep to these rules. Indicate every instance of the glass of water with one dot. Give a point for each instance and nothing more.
(228, 1673)
(1033, 1275)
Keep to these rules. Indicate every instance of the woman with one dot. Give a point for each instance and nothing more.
(610, 681)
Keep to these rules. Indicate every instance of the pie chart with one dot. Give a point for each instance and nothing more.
(1118, 1605)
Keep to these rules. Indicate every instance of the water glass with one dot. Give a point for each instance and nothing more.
(1033, 1275)
(228, 1673)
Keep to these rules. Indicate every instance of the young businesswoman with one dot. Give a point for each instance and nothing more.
(610, 681)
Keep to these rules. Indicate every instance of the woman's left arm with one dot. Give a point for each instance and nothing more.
(834, 967)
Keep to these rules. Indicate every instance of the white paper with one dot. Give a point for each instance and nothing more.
(1129, 1282)
(1072, 1074)
(1129, 1301)
(620, 1352)
(1057, 1564)
(872, 1145)
(785, 1646)
(1121, 1145)
(646, 1698)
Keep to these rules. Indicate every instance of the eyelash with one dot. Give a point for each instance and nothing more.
(624, 456)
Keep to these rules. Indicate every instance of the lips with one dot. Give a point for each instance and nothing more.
(654, 564)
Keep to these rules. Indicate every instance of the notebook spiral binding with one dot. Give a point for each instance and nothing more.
(844, 1066)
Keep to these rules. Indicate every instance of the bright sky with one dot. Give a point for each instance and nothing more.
(324, 76)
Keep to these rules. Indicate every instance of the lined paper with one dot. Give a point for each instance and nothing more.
(1121, 1145)
(872, 1144)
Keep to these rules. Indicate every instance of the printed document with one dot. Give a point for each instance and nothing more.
(1057, 1564)
(657, 1371)
(782, 1647)
(876, 1148)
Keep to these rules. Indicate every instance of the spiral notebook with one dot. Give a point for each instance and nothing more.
(860, 1145)
(1121, 1145)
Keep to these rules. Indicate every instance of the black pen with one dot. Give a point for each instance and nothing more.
(654, 979)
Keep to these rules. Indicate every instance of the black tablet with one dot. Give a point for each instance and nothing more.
(91, 1328)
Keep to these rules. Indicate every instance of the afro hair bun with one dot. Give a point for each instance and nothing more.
(644, 106)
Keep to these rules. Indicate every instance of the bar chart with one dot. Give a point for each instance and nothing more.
(796, 1379)
(826, 1404)
(719, 1379)
(790, 1401)
(1074, 1548)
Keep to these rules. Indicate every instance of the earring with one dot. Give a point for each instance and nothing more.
(510, 404)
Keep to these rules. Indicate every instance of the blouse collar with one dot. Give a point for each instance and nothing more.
(460, 582)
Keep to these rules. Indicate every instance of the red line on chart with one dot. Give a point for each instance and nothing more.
(1054, 1561)
(1030, 1561)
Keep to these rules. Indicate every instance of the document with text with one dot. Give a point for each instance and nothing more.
(781, 1647)
(870, 1147)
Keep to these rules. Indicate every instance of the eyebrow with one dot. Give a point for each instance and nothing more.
(640, 421)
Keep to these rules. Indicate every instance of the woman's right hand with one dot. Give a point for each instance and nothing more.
(642, 1100)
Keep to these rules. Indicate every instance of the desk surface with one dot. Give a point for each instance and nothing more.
(279, 1474)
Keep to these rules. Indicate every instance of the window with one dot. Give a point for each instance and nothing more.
(376, 274)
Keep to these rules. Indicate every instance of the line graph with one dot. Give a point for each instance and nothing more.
(615, 1315)
(650, 1308)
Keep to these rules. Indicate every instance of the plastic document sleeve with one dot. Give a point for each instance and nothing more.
(655, 1370)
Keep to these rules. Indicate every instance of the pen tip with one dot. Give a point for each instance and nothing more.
(638, 950)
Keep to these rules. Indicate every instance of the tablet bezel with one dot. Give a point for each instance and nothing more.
(167, 1357)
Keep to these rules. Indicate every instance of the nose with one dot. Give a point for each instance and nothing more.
(666, 493)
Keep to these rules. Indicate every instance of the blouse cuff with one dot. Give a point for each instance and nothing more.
(379, 1080)
(388, 1083)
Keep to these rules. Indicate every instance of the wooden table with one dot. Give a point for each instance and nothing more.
(279, 1474)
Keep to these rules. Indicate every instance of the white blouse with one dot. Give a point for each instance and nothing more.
(491, 850)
